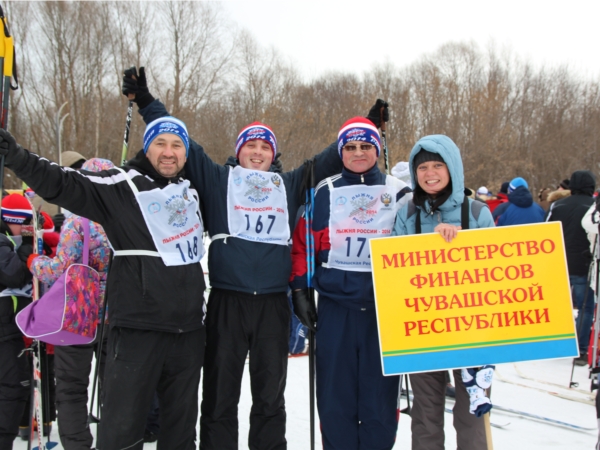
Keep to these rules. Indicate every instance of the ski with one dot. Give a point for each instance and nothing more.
(543, 419)
(38, 352)
(549, 383)
(495, 425)
(587, 400)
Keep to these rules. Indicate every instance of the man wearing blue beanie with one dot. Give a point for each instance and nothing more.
(151, 216)
(520, 209)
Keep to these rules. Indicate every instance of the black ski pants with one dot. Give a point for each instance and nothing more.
(15, 386)
(72, 366)
(138, 363)
(238, 323)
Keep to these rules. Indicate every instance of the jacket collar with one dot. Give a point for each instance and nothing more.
(371, 176)
(143, 165)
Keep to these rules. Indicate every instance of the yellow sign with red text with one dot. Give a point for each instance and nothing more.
(490, 296)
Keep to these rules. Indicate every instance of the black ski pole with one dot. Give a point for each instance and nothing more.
(99, 346)
(581, 315)
(310, 268)
(384, 142)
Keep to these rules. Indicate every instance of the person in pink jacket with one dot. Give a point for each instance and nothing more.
(73, 364)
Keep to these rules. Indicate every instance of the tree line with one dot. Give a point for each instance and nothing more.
(509, 117)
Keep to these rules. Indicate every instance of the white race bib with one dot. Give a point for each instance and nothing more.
(257, 206)
(173, 218)
(357, 214)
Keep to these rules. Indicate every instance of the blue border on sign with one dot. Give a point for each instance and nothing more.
(473, 357)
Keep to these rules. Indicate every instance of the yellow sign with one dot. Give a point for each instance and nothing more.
(492, 295)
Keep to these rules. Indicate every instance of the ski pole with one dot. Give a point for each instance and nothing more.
(408, 408)
(581, 319)
(9, 68)
(126, 137)
(2, 53)
(91, 418)
(384, 142)
(310, 268)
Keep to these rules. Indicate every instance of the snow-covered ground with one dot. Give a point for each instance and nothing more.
(545, 397)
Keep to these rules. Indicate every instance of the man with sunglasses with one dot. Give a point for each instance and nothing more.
(357, 404)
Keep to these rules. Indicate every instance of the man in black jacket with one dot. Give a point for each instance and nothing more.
(155, 291)
(15, 294)
(570, 211)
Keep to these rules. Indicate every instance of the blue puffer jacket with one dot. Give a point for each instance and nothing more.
(450, 211)
(519, 210)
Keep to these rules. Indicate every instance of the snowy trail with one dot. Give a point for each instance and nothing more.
(521, 433)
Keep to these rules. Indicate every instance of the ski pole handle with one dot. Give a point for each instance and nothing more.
(126, 136)
(384, 142)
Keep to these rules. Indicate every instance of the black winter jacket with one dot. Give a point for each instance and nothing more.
(13, 274)
(570, 211)
(142, 291)
(240, 265)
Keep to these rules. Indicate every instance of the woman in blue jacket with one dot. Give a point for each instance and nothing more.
(437, 176)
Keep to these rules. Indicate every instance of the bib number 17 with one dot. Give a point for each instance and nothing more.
(361, 245)
(192, 251)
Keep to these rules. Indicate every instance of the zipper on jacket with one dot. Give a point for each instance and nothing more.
(362, 178)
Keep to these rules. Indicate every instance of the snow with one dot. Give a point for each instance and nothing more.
(541, 397)
(509, 390)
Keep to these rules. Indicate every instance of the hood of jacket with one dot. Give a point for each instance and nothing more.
(582, 182)
(521, 197)
(447, 149)
(143, 165)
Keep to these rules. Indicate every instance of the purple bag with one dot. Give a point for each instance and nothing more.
(68, 313)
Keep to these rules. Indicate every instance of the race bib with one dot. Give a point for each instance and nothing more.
(257, 206)
(171, 215)
(359, 213)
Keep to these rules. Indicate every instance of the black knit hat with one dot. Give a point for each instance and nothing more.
(425, 156)
(420, 197)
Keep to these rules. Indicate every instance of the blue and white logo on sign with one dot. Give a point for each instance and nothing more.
(341, 200)
(154, 208)
(177, 212)
(237, 181)
(258, 190)
(363, 211)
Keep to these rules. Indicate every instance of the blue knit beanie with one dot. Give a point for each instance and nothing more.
(166, 124)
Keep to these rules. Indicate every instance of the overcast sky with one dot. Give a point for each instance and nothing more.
(351, 35)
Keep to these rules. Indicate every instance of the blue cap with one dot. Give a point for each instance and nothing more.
(516, 183)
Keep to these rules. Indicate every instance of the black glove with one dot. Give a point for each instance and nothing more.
(135, 84)
(304, 309)
(8, 144)
(375, 112)
(24, 251)
(276, 165)
(58, 220)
